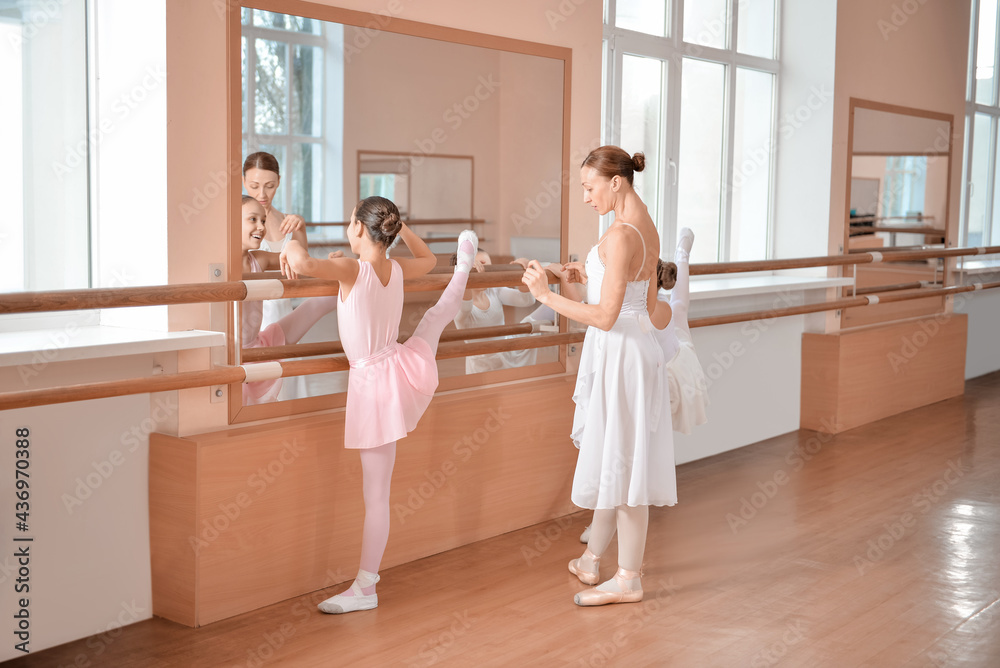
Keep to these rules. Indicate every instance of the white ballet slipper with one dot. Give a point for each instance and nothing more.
(466, 259)
(685, 240)
(339, 604)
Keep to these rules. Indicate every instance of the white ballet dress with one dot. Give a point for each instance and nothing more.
(621, 424)
(471, 316)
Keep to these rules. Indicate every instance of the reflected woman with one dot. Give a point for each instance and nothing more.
(261, 178)
(621, 425)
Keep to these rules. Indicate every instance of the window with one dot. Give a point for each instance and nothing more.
(47, 137)
(692, 84)
(285, 98)
(981, 197)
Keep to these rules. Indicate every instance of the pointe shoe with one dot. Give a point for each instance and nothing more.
(585, 576)
(464, 261)
(597, 596)
(339, 604)
(585, 536)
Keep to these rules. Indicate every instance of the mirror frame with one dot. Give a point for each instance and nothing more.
(384, 22)
(859, 103)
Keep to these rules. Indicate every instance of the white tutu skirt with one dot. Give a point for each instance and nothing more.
(620, 424)
(688, 389)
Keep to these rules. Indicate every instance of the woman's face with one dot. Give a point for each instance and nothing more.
(597, 190)
(261, 184)
(253, 225)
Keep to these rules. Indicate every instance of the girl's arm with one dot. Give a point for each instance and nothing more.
(661, 313)
(295, 261)
(423, 259)
(572, 289)
(604, 314)
(267, 260)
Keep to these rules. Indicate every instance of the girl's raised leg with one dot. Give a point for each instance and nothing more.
(444, 311)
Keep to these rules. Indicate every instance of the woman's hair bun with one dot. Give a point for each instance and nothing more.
(638, 162)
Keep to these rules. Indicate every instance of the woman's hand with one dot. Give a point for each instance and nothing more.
(537, 280)
(335, 254)
(576, 272)
(291, 255)
(292, 223)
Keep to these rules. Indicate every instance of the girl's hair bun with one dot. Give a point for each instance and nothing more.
(666, 274)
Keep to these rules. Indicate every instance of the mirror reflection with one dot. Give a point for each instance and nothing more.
(457, 136)
(898, 184)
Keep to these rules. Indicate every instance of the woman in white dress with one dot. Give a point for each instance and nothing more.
(621, 425)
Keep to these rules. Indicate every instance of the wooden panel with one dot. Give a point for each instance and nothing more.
(172, 502)
(820, 378)
(280, 509)
(881, 370)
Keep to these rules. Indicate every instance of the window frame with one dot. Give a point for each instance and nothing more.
(672, 50)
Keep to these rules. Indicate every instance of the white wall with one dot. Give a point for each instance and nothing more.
(982, 355)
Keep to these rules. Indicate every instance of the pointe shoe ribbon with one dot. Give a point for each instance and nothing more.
(585, 576)
(601, 597)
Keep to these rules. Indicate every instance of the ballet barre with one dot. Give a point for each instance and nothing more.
(266, 354)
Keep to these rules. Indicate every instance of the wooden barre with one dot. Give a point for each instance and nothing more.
(230, 375)
(197, 293)
(926, 231)
(834, 260)
(411, 223)
(447, 350)
(267, 354)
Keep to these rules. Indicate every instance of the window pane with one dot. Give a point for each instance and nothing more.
(985, 67)
(271, 90)
(905, 182)
(243, 80)
(699, 194)
(706, 22)
(648, 16)
(979, 178)
(755, 30)
(306, 171)
(285, 22)
(46, 147)
(752, 157)
(642, 101)
(307, 83)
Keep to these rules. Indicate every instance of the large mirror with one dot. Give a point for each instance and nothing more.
(898, 189)
(459, 129)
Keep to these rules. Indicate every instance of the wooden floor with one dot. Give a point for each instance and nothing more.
(877, 547)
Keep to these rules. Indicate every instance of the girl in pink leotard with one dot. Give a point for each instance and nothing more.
(286, 330)
(390, 384)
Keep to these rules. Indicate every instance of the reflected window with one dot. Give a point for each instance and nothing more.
(285, 87)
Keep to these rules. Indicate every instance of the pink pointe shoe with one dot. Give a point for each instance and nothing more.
(585, 576)
(628, 583)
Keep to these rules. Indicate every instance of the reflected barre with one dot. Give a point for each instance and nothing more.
(411, 223)
(335, 347)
